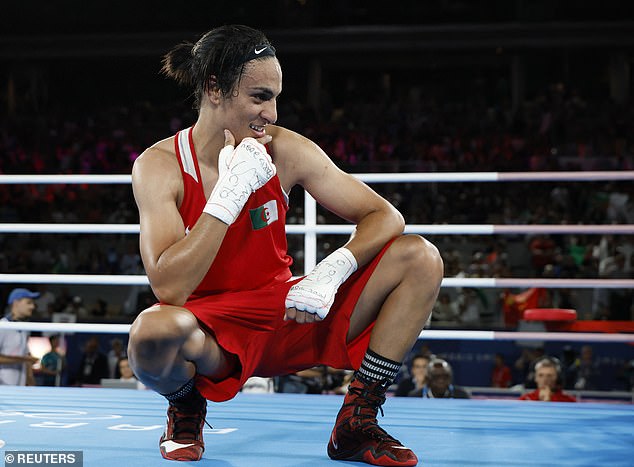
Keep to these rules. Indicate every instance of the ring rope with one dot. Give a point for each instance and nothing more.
(473, 282)
(366, 177)
(425, 334)
(311, 229)
(321, 229)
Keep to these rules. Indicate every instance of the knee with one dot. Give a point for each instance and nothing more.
(156, 330)
(421, 259)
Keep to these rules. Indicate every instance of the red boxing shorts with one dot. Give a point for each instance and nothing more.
(250, 324)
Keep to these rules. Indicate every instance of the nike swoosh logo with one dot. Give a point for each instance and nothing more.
(334, 441)
(258, 52)
(170, 445)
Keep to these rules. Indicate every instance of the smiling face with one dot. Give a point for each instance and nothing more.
(253, 104)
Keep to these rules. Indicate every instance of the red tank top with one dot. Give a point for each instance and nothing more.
(253, 253)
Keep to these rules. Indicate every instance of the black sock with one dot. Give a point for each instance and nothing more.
(187, 397)
(375, 367)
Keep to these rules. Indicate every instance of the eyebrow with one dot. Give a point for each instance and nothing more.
(268, 93)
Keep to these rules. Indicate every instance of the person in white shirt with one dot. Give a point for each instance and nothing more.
(15, 361)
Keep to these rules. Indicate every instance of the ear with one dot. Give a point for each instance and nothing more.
(212, 91)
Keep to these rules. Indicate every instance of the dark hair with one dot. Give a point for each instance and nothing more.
(439, 363)
(420, 355)
(215, 61)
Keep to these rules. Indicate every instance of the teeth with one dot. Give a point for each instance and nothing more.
(257, 128)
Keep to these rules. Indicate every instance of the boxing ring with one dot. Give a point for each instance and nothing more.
(110, 426)
(122, 427)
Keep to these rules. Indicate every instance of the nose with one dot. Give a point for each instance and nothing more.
(269, 111)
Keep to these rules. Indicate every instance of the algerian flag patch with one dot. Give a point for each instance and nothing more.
(264, 215)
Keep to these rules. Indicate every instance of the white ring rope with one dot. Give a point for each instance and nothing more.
(70, 228)
(321, 229)
(85, 279)
(310, 229)
(366, 177)
(473, 282)
(89, 179)
(430, 334)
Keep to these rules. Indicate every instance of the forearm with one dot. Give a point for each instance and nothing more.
(30, 378)
(11, 359)
(373, 232)
(181, 267)
(315, 293)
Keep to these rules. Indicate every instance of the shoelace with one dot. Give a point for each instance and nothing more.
(367, 404)
(368, 401)
(186, 425)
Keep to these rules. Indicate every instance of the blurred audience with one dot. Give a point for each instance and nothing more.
(93, 366)
(557, 129)
(416, 379)
(547, 371)
(501, 373)
(440, 383)
(126, 374)
(116, 353)
(52, 365)
(586, 370)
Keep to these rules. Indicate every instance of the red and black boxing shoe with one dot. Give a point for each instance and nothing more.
(183, 436)
(357, 435)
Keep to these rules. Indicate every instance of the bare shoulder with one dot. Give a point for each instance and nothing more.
(288, 142)
(294, 155)
(157, 167)
(157, 155)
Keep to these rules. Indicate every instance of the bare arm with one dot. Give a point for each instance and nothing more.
(303, 162)
(11, 359)
(174, 262)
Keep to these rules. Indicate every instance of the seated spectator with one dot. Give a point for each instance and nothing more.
(417, 376)
(525, 367)
(94, 364)
(115, 354)
(501, 374)
(341, 385)
(76, 308)
(569, 367)
(52, 364)
(445, 310)
(471, 306)
(440, 383)
(548, 381)
(317, 380)
(586, 370)
(309, 381)
(127, 374)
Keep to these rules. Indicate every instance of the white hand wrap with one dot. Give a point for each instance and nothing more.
(315, 293)
(241, 171)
